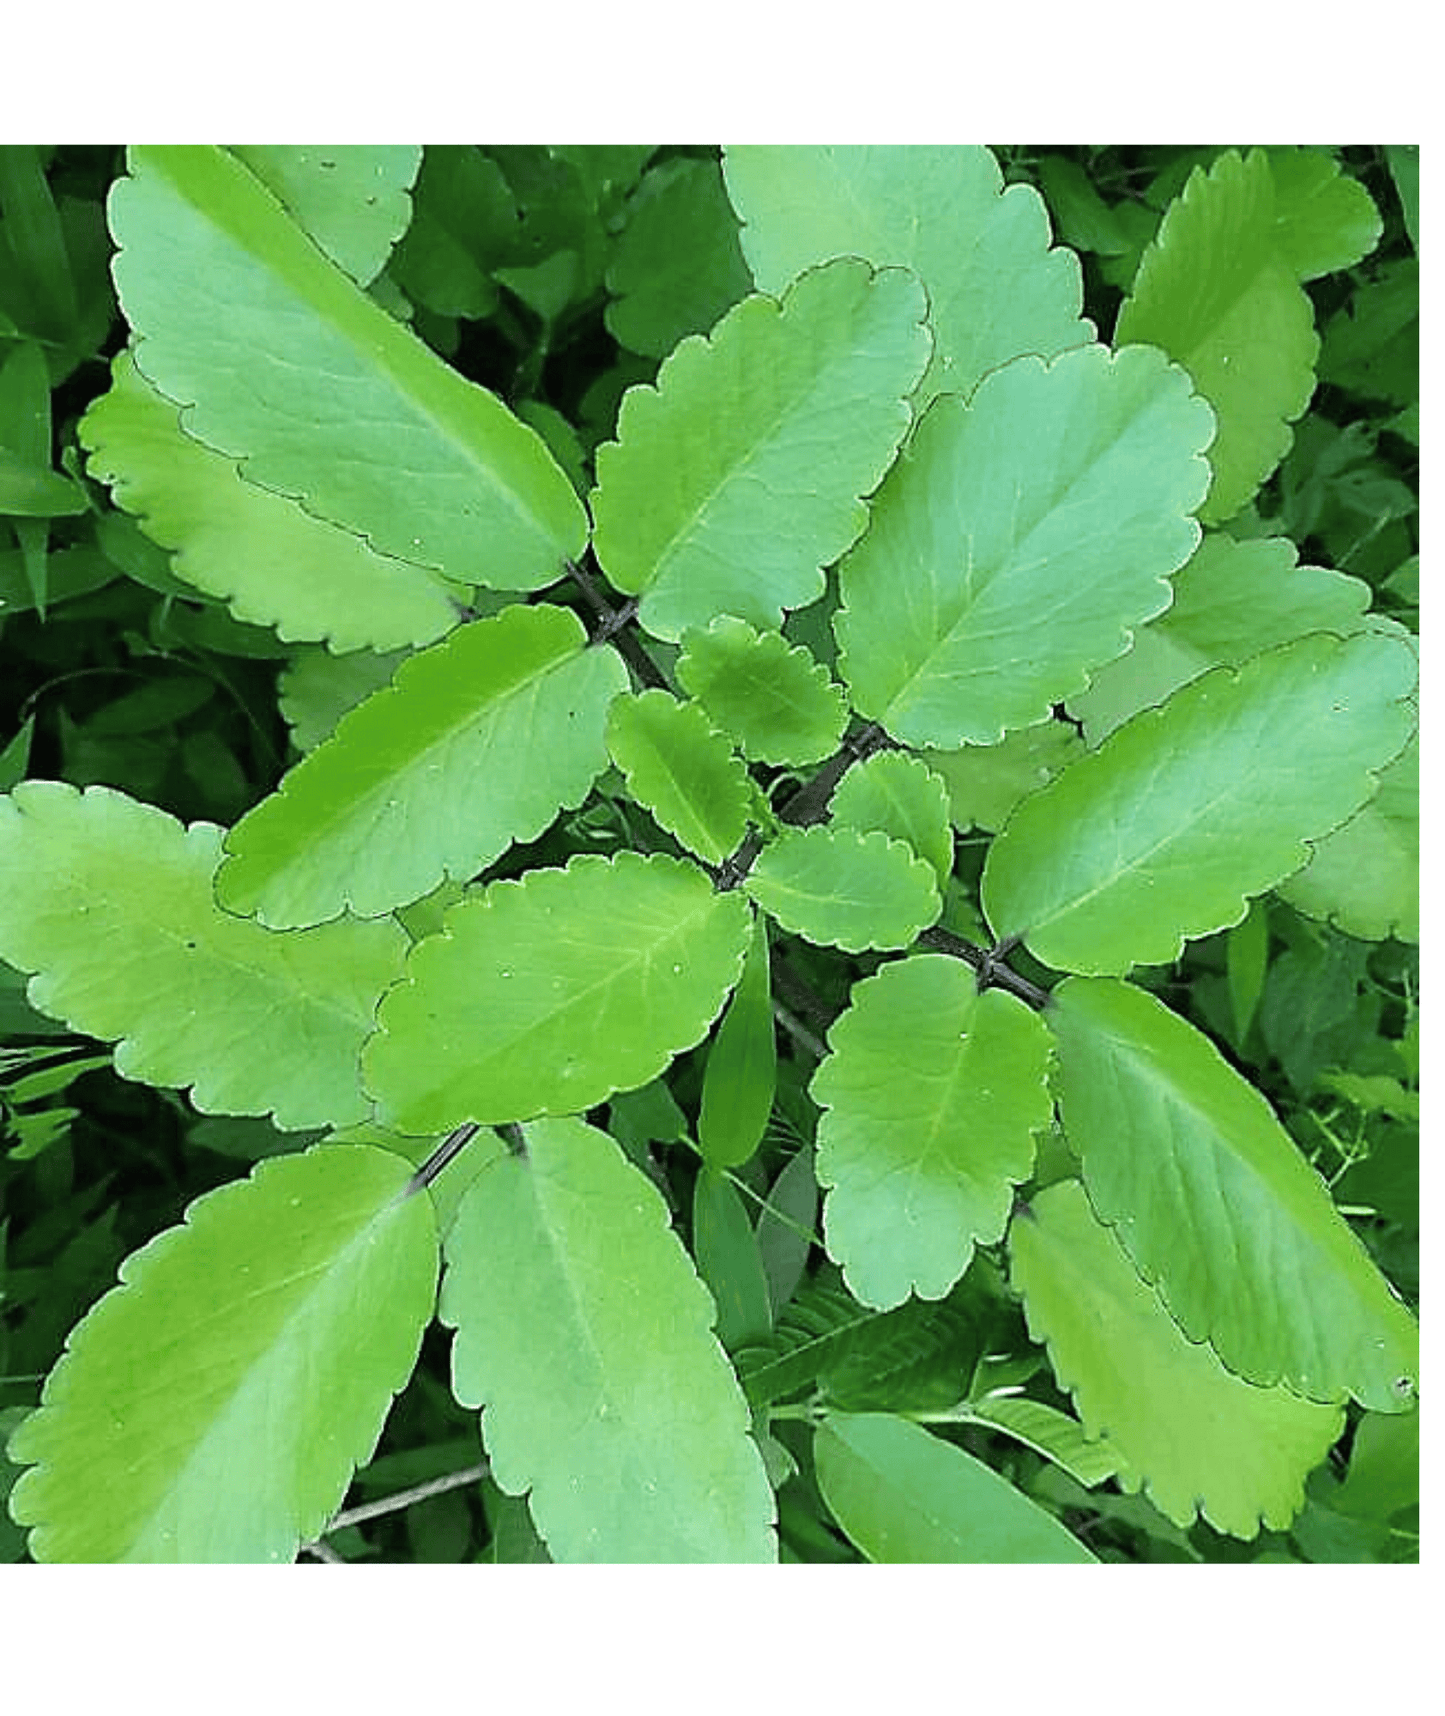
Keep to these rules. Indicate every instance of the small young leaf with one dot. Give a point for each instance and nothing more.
(545, 995)
(1186, 812)
(903, 797)
(213, 1407)
(354, 201)
(265, 556)
(1048, 1432)
(1184, 1428)
(682, 770)
(932, 1095)
(478, 742)
(842, 889)
(726, 1249)
(995, 288)
(586, 1338)
(742, 1066)
(774, 700)
(109, 901)
(393, 445)
(1217, 1208)
(1018, 538)
(903, 1495)
(738, 478)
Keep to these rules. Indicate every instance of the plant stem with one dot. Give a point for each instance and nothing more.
(993, 973)
(402, 1499)
(614, 626)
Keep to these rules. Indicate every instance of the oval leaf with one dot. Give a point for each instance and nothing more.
(1187, 811)
(932, 1094)
(903, 797)
(213, 1407)
(1211, 1199)
(544, 996)
(586, 1338)
(393, 444)
(477, 742)
(736, 480)
(841, 889)
(109, 901)
(682, 770)
(1018, 538)
(904, 1495)
(773, 699)
(742, 1066)
(1181, 1426)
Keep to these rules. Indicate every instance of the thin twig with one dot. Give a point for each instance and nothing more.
(320, 1551)
(989, 963)
(402, 1499)
(798, 1031)
(614, 627)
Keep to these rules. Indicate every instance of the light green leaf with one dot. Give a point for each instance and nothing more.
(586, 1338)
(842, 889)
(682, 770)
(985, 782)
(545, 995)
(1231, 601)
(1016, 541)
(1195, 1437)
(1324, 220)
(337, 405)
(728, 1259)
(738, 478)
(478, 742)
(318, 688)
(1048, 1432)
(213, 1407)
(1217, 1208)
(354, 200)
(265, 556)
(903, 1495)
(742, 1066)
(109, 901)
(1365, 877)
(932, 1095)
(995, 288)
(1167, 830)
(786, 1224)
(773, 699)
(1218, 290)
(903, 797)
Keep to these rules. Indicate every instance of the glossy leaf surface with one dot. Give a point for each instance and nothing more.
(932, 1095)
(478, 742)
(772, 698)
(109, 902)
(995, 288)
(1213, 1202)
(682, 770)
(586, 1338)
(1193, 1435)
(338, 405)
(1187, 811)
(843, 889)
(545, 995)
(738, 478)
(1017, 540)
(904, 1495)
(213, 1407)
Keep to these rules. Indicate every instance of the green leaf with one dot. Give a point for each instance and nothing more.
(109, 901)
(337, 405)
(905, 1496)
(903, 797)
(1218, 290)
(1195, 1437)
(355, 201)
(265, 556)
(545, 995)
(676, 266)
(729, 1261)
(1246, 959)
(738, 478)
(1231, 601)
(1048, 1432)
(842, 889)
(742, 1066)
(1217, 1208)
(478, 742)
(1324, 220)
(1167, 830)
(1365, 877)
(682, 770)
(985, 782)
(1404, 160)
(932, 1095)
(318, 688)
(773, 699)
(995, 288)
(213, 1407)
(28, 486)
(1016, 541)
(586, 1338)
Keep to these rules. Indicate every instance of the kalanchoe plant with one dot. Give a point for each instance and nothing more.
(628, 818)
